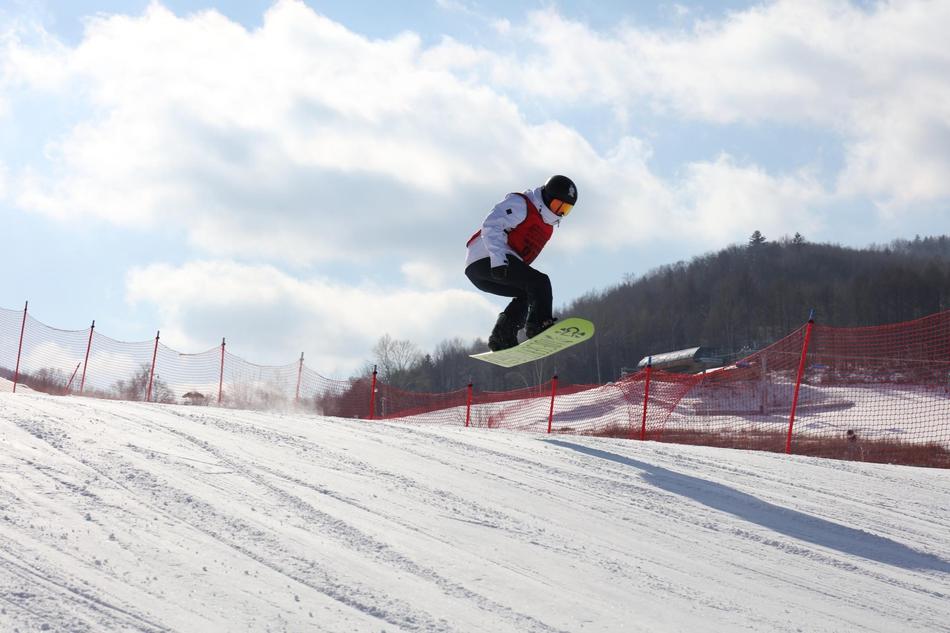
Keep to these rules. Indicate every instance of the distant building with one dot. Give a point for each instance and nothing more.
(690, 360)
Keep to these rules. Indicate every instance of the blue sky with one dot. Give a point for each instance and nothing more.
(303, 176)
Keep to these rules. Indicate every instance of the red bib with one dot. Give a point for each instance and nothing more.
(528, 238)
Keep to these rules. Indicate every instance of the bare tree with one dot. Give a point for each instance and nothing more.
(395, 357)
(136, 387)
(47, 380)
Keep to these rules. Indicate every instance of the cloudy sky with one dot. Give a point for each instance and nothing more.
(303, 176)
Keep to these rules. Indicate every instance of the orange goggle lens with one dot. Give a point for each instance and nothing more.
(560, 207)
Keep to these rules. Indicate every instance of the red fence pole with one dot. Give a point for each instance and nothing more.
(551, 412)
(71, 379)
(221, 374)
(151, 375)
(85, 364)
(798, 382)
(468, 406)
(372, 396)
(299, 376)
(16, 374)
(646, 398)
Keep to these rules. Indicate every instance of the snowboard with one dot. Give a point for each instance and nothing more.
(559, 336)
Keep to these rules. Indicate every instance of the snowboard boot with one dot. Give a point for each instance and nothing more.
(533, 328)
(504, 334)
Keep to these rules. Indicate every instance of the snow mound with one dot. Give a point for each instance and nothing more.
(6, 386)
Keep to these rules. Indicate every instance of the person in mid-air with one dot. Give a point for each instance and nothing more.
(500, 255)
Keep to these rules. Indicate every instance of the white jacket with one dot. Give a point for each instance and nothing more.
(507, 214)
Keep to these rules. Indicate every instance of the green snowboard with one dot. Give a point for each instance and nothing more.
(561, 335)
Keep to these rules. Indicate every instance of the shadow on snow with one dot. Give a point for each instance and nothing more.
(792, 523)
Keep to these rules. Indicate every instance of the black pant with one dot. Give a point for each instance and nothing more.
(530, 289)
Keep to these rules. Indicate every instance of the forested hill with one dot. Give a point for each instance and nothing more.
(740, 298)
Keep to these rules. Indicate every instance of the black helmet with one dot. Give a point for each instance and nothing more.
(559, 188)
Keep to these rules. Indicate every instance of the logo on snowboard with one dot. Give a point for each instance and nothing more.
(571, 332)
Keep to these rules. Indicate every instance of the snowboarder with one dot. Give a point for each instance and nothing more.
(500, 255)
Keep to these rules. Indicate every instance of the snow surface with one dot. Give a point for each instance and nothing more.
(118, 516)
(7, 386)
(909, 413)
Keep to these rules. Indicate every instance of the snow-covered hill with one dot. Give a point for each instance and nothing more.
(118, 516)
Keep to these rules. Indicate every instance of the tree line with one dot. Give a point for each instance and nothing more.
(736, 300)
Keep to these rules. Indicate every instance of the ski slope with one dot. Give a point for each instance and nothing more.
(118, 516)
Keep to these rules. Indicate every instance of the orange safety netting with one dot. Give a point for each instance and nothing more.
(874, 393)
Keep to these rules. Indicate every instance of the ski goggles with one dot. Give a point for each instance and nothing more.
(560, 207)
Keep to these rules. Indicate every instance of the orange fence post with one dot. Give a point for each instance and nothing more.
(151, 375)
(372, 396)
(221, 374)
(16, 374)
(798, 381)
(551, 412)
(85, 364)
(646, 398)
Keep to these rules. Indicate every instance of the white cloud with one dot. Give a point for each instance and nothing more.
(302, 141)
(680, 10)
(428, 275)
(30, 56)
(722, 199)
(620, 201)
(296, 141)
(455, 5)
(710, 203)
(903, 157)
(270, 317)
(877, 78)
(50, 354)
